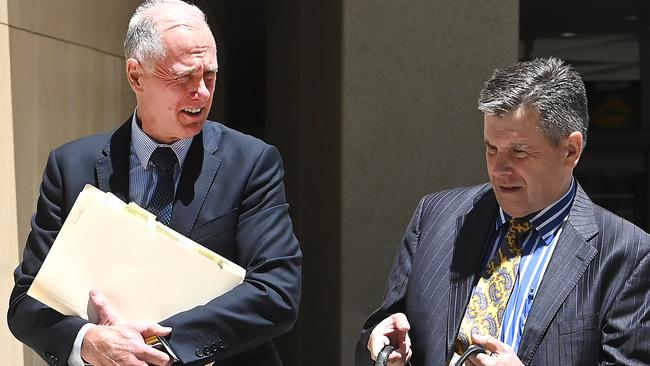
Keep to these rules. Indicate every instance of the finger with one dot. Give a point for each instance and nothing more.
(404, 350)
(489, 343)
(397, 329)
(395, 359)
(133, 361)
(152, 356)
(106, 315)
(409, 353)
(379, 337)
(482, 359)
(401, 327)
(407, 342)
(152, 329)
(375, 344)
(401, 322)
(404, 347)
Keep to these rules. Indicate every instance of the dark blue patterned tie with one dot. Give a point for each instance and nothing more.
(163, 159)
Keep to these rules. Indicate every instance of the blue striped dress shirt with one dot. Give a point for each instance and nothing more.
(142, 176)
(537, 249)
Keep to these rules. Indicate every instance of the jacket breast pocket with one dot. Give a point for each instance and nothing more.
(580, 339)
(218, 234)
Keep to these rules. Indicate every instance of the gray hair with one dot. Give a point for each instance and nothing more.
(549, 85)
(143, 40)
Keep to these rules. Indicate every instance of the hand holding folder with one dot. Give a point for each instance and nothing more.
(146, 271)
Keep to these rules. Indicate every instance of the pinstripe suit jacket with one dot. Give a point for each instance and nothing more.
(592, 307)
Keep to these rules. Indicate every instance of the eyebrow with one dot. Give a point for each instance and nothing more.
(514, 146)
(186, 72)
(192, 70)
(519, 146)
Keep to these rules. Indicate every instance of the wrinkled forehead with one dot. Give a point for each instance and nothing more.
(168, 17)
(181, 41)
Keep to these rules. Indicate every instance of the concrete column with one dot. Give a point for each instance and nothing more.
(64, 79)
(10, 349)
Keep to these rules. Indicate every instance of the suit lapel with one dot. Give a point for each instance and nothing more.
(570, 259)
(469, 249)
(199, 171)
(112, 167)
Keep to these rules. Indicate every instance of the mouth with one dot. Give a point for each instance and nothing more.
(509, 188)
(193, 112)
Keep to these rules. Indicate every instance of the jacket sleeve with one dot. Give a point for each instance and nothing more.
(627, 323)
(397, 284)
(43, 329)
(265, 305)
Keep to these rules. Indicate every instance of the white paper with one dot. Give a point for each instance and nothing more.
(146, 271)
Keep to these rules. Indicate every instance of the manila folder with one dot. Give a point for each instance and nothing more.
(146, 271)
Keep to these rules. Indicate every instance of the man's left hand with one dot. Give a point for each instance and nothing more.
(115, 341)
(499, 353)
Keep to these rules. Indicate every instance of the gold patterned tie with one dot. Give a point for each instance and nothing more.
(487, 305)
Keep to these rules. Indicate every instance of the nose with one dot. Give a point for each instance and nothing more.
(201, 92)
(500, 165)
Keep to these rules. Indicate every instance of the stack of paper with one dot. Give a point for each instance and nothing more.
(146, 271)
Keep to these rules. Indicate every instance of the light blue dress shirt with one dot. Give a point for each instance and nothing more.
(537, 250)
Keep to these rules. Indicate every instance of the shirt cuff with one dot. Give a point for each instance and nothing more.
(75, 356)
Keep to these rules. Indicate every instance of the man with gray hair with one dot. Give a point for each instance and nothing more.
(524, 269)
(221, 188)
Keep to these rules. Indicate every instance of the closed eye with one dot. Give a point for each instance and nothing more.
(519, 154)
(491, 150)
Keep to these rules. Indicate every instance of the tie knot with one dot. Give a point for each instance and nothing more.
(519, 226)
(163, 158)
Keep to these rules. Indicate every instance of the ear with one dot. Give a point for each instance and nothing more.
(134, 71)
(574, 145)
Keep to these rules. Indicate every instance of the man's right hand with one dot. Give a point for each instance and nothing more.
(114, 342)
(392, 330)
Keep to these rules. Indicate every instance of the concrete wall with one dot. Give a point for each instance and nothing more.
(411, 77)
(64, 79)
(10, 349)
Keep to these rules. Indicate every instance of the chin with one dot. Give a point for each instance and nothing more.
(513, 208)
(192, 129)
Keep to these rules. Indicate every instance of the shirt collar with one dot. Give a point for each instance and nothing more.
(144, 146)
(548, 219)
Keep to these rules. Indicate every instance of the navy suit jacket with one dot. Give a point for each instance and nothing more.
(592, 307)
(230, 198)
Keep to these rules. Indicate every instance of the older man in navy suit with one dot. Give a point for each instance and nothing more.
(526, 267)
(219, 187)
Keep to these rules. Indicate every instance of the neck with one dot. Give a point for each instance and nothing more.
(152, 133)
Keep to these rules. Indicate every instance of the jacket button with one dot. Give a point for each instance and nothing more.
(214, 348)
(206, 350)
(198, 353)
